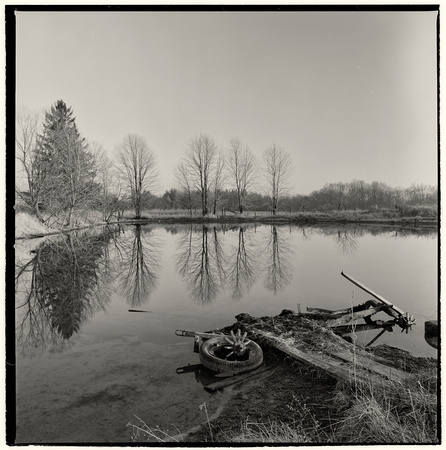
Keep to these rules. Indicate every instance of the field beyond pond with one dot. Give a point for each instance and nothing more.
(27, 224)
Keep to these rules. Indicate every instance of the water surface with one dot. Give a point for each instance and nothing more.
(86, 366)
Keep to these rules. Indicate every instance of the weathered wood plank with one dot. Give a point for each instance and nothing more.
(389, 372)
(327, 364)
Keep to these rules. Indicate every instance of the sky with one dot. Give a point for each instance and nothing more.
(349, 95)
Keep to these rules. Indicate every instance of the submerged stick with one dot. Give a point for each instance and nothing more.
(399, 311)
(376, 337)
(239, 378)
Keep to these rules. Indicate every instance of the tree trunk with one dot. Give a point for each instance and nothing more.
(70, 215)
(137, 207)
(203, 203)
(38, 213)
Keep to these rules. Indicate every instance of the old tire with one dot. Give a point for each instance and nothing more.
(210, 357)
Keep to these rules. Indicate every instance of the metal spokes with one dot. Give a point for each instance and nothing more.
(238, 343)
(406, 322)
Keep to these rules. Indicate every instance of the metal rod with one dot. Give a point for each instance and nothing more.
(377, 296)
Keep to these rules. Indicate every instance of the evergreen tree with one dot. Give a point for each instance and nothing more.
(65, 161)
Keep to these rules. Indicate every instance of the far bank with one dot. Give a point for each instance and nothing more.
(28, 226)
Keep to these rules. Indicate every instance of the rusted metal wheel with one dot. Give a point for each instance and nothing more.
(231, 355)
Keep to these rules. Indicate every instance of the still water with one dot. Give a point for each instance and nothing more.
(87, 366)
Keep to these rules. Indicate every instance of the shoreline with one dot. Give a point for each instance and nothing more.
(306, 391)
(261, 220)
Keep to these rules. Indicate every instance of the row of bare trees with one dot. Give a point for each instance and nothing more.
(63, 173)
(206, 170)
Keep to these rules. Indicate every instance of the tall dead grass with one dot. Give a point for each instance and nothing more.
(272, 432)
(390, 413)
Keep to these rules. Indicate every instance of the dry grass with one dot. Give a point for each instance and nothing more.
(391, 413)
(278, 432)
(142, 432)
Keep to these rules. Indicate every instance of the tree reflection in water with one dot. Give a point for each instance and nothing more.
(346, 242)
(242, 273)
(64, 283)
(278, 265)
(201, 262)
(140, 253)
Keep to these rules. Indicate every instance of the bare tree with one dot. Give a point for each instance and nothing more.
(136, 165)
(241, 168)
(108, 192)
(74, 185)
(29, 173)
(219, 178)
(184, 183)
(277, 165)
(200, 160)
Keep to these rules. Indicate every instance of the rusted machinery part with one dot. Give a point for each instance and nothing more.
(406, 321)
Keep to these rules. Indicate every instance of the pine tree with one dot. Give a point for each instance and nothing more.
(65, 162)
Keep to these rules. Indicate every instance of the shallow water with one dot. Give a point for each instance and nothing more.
(86, 366)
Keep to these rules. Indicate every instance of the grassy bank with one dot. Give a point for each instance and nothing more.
(298, 405)
(27, 225)
(305, 402)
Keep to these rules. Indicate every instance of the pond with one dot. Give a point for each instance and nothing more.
(87, 365)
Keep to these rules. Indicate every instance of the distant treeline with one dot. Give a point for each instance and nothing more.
(332, 197)
(60, 174)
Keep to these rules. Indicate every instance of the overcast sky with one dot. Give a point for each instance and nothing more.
(349, 95)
